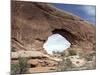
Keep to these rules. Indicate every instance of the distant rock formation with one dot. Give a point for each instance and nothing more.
(32, 23)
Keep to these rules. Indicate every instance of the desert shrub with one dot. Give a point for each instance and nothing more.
(94, 46)
(89, 57)
(72, 52)
(64, 65)
(21, 67)
(15, 69)
(61, 54)
(58, 54)
(13, 49)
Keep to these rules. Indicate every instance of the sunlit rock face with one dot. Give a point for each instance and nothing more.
(56, 43)
(33, 22)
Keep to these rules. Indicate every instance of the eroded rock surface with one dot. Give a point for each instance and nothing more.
(32, 23)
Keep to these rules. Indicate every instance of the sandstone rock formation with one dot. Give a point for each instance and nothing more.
(32, 23)
(36, 21)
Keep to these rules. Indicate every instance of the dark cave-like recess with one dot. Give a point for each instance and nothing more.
(70, 37)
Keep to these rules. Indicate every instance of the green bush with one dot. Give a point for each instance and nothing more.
(89, 57)
(21, 67)
(72, 52)
(13, 49)
(15, 69)
(59, 54)
(64, 65)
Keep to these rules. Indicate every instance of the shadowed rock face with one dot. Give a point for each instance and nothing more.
(32, 23)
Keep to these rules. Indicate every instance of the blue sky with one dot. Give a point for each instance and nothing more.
(86, 12)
